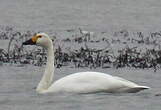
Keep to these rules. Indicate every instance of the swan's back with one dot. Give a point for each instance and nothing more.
(87, 82)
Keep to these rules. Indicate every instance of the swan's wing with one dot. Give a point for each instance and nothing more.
(125, 81)
(132, 83)
(84, 82)
(88, 82)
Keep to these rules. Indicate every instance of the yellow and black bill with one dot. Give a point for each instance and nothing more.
(29, 42)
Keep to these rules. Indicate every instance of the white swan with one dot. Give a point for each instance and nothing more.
(82, 82)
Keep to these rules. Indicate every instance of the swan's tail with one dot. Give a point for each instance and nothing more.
(137, 89)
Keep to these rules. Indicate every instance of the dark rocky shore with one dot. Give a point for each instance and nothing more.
(85, 49)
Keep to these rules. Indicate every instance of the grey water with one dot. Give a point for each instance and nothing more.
(92, 15)
(17, 84)
(17, 91)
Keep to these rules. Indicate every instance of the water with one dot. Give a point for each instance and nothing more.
(93, 15)
(18, 91)
(17, 84)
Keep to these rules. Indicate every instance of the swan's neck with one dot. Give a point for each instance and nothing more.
(47, 78)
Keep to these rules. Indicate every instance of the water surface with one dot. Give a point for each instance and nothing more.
(18, 91)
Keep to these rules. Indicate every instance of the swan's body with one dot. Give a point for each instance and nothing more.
(91, 82)
(82, 82)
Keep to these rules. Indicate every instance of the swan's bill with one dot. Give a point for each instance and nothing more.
(32, 41)
(29, 42)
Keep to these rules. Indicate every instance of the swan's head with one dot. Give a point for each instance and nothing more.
(40, 39)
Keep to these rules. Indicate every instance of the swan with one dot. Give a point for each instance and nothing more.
(81, 82)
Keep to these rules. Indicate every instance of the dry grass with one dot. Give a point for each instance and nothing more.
(84, 56)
